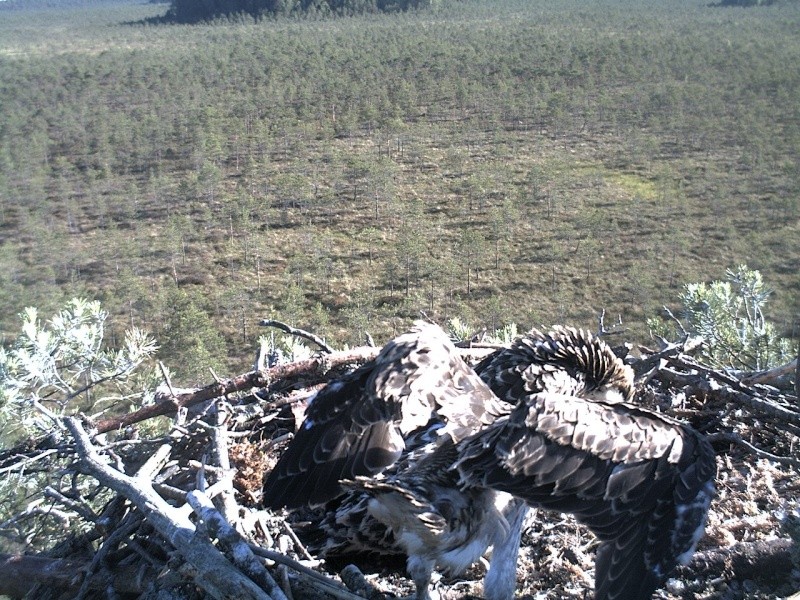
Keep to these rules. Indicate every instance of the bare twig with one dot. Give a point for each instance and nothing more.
(330, 586)
(299, 333)
(155, 462)
(283, 575)
(616, 328)
(109, 544)
(219, 440)
(297, 543)
(732, 390)
(247, 381)
(735, 438)
(797, 373)
(235, 545)
(21, 464)
(79, 508)
(652, 362)
(165, 375)
(676, 320)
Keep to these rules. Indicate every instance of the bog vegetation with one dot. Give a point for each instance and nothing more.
(504, 161)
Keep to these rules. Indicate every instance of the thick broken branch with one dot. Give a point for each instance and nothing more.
(218, 577)
(245, 382)
(19, 573)
(770, 375)
(746, 560)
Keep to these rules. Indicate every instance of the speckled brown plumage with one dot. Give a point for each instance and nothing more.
(400, 417)
(565, 361)
(450, 455)
(641, 482)
(357, 426)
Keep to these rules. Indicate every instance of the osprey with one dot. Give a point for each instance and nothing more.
(400, 418)
(457, 465)
(640, 481)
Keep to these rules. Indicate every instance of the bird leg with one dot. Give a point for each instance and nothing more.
(421, 569)
(501, 580)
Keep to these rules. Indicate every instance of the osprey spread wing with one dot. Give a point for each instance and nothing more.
(358, 426)
(562, 435)
(402, 415)
(640, 481)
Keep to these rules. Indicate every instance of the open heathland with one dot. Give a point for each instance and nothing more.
(498, 161)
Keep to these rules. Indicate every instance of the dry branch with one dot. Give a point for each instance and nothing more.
(747, 560)
(19, 573)
(237, 547)
(302, 333)
(707, 382)
(245, 382)
(216, 575)
(770, 375)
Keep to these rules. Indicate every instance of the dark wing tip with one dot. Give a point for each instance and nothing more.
(621, 572)
(319, 456)
(641, 483)
(355, 426)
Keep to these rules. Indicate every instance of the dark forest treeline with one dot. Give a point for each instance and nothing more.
(191, 11)
(27, 5)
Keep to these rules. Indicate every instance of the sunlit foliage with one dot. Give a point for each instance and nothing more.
(729, 316)
(63, 366)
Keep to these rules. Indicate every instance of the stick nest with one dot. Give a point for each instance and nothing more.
(164, 503)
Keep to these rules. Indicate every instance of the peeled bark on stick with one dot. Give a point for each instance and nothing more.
(216, 575)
